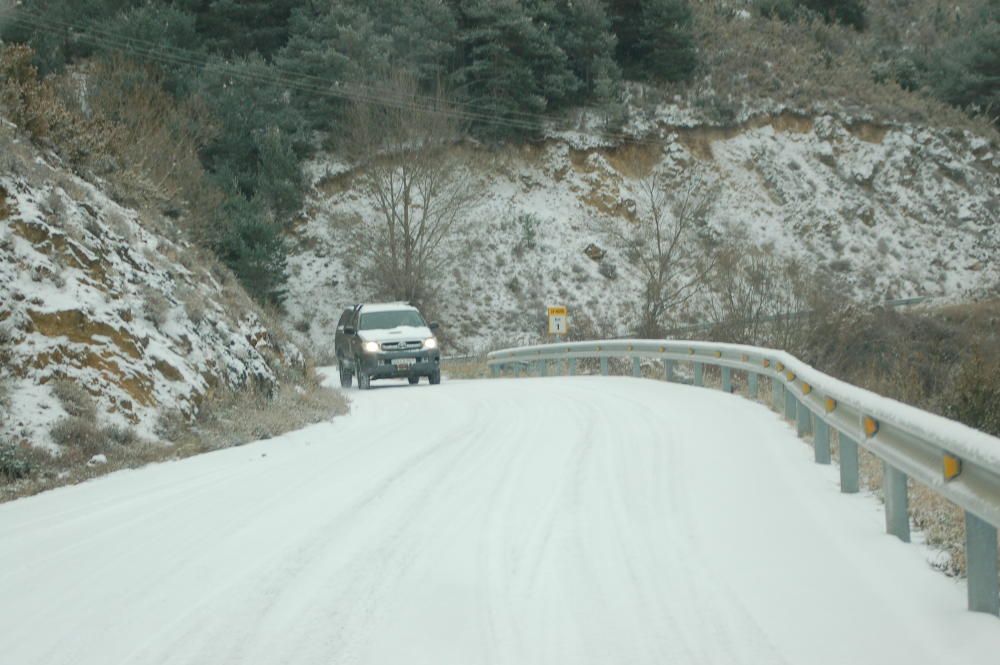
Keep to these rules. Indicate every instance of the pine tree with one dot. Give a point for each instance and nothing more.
(965, 71)
(510, 64)
(666, 40)
(583, 31)
(848, 12)
(157, 32)
(331, 49)
(421, 36)
(655, 38)
(242, 27)
(58, 30)
(245, 239)
(260, 135)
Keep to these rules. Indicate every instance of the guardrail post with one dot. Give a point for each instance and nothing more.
(517, 370)
(699, 374)
(848, 464)
(571, 370)
(821, 442)
(897, 513)
(789, 404)
(752, 388)
(727, 380)
(981, 565)
(543, 368)
(604, 365)
(777, 394)
(803, 418)
(668, 370)
(495, 370)
(636, 367)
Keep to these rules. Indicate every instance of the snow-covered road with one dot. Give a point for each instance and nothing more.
(586, 520)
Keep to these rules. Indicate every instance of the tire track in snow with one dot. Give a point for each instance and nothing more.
(587, 520)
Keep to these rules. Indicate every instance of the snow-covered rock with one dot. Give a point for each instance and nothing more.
(90, 294)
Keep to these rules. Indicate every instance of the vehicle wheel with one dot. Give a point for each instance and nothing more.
(364, 380)
(435, 377)
(413, 380)
(346, 377)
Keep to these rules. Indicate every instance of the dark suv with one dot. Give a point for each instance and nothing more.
(382, 341)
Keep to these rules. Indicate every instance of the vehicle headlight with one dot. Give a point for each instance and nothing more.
(431, 343)
(370, 347)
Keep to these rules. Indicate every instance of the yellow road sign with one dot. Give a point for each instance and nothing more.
(558, 320)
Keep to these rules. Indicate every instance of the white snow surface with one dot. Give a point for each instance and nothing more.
(881, 211)
(562, 520)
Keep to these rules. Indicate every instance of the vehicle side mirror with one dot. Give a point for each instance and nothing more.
(349, 330)
(434, 325)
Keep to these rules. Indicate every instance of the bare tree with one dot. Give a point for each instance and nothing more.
(757, 298)
(422, 188)
(664, 243)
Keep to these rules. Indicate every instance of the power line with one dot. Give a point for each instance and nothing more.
(294, 80)
(172, 56)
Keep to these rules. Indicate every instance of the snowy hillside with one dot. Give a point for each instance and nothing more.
(89, 295)
(887, 211)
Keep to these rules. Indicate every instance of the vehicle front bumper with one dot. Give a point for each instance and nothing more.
(380, 365)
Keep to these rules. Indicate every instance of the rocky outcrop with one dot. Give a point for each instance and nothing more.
(90, 293)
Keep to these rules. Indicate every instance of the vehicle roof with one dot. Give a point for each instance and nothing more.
(386, 307)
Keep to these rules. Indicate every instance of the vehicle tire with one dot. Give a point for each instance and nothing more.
(413, 380)
(364, 380)
(346, 376)
(435, 377)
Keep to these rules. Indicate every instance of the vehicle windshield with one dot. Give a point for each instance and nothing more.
(390, 319)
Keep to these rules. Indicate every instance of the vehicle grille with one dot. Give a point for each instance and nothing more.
(401, 346)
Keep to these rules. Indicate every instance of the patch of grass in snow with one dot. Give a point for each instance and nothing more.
(235, 418)
(228, 419)
(474, 368)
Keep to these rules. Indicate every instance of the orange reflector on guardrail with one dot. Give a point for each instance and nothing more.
(745, 358)
(780, 367)
(830, 404)
(718, 354)
(629, 348)
(952, 466)
(806, 389)
(663, 349)
(691, 352)
(791, 376)
(767, 363)
(870, 426)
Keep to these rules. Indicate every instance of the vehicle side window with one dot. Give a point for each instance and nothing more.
(345, 319)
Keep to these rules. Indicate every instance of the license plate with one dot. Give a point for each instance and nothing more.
(404, 362)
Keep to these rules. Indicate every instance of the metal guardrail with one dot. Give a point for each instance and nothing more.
(957, 462)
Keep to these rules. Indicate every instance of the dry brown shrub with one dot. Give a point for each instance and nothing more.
(155, 138)
(471, 368)
(75, 400)
(79, 433)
